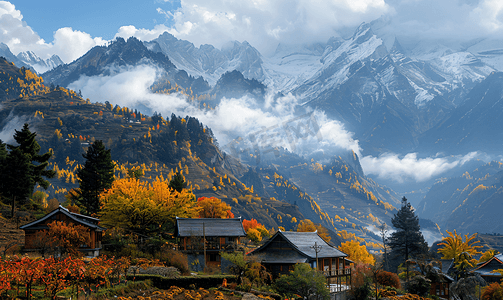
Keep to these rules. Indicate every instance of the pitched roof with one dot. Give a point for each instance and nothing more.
(186, 227)
(282, 257)
(447, 265)
(304, 243)
(486, 268)
(78, 218)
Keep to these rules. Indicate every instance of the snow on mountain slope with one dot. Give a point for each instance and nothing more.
(38, 63)
(489, 51)
(207, 61)
(461, 66)
(339, 57)
(290, 66)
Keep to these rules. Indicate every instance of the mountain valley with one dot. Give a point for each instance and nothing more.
(331, 105)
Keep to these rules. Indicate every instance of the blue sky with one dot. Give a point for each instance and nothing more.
(96, 17)
(70, 28)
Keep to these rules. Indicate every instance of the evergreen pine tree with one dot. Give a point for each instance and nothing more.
(3, 162)
(23, 167)
(407, 240)
(3, 151)
(39, 162)
(17, 180)
(96, 176)
(177, 182)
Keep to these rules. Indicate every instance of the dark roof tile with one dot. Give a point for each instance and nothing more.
(186, 227)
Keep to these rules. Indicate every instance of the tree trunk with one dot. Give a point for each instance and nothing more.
(12, 207)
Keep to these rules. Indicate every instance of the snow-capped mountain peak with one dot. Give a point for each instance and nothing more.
(39, 64)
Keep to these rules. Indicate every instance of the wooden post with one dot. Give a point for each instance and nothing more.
(316, 249)
(204, 245)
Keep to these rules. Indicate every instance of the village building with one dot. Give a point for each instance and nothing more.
(437, 271)
(203, 239)
(32, 230)
(287, 248)
(486, 269)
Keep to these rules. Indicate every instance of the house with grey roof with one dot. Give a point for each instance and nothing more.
(487, 269)
(287, 248)
(34, 241)
(203, 239)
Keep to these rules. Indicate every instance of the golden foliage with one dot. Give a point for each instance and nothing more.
(356, 252)
(139, 205)
(454, 245)
(307, 225)
(214, 208)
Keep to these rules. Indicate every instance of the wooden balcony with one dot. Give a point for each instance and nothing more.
(209, 247)
(337, 272)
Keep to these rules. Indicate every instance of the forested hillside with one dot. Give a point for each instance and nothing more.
(471, 202)
(336, 194)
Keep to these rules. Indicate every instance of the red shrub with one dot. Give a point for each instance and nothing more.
(388, 279)
(493, 292)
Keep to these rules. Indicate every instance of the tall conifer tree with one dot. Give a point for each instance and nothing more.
(96, 176)
(17, 181)
(177, 183)
(407, 240)
(23, 167)
(39, 162)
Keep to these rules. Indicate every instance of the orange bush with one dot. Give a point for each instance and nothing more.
(493, 292)
(388, 279)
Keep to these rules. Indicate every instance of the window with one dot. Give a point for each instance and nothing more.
(213, 257)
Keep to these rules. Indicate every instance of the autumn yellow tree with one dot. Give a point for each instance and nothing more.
(145, 207)
(254, 230)
(307, 225)
(460, 249)
(356, 252)
(454, 244)
(490, 253)
(214, 208)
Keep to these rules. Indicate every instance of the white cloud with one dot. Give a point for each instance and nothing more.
(142, 34)
(230, 119)
(9, 127)
(265, 23)
(68, 44)
(7, 8)
(446, 21)
(400, 169)
(71, 44)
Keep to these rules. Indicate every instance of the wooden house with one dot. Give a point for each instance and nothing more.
(440, 286)
(486, 269)
(287, 248)
(32, 230)
(202, 239)
(437, 271)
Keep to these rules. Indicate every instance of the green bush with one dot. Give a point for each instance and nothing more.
(419, 285)
(303, 281)
(362, 292)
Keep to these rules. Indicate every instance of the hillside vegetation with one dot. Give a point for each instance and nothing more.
(277, 193)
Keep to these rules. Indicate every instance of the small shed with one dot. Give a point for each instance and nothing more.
(32, 230)
(202, 239)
